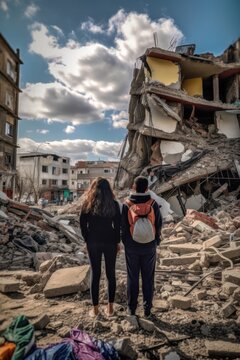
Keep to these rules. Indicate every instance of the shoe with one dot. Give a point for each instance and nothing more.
(147, 313)
(131, 312)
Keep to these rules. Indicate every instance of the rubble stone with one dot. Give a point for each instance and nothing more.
(68, 281)
(214, 241)
(180, 260)
(232, 276)
(41, 322)
(181, 302)
(9, 285)
(229, 288)
(185, 248)
(200, 294)
(124, 348)
(222, 349)
(146, 325)
(228, 309)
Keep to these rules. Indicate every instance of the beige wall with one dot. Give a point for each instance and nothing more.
(193, 86)
(164, 71)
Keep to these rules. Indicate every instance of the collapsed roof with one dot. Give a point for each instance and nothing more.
(183, 105)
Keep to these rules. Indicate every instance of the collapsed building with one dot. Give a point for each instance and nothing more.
(184, 114)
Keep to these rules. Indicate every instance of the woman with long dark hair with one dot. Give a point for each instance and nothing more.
(100, 225)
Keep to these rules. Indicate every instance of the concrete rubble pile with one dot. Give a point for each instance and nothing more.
(29, 236)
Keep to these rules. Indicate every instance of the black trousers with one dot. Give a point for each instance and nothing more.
(95, 252)
(142, 261)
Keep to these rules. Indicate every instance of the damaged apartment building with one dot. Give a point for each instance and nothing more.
(9, 91)
(184, 124)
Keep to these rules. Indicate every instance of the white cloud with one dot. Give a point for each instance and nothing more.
(91, 27)
(120, 120)
(75, 149)
(69, 129)
(42, 131)
(31, 10)
(56, 102)
(4, 6)
(92, 73)
(58, 30)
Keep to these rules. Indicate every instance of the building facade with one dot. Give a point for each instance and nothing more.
(84, 172)
(44, 175)
(9, 92)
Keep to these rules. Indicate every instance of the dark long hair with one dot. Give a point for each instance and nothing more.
(99, 199)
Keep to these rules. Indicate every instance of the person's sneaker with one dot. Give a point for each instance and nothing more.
(148, 314)
(131, 312)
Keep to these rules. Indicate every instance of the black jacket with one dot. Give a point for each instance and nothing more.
(127, 239)
(101, 230)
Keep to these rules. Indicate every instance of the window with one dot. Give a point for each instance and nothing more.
(65, 171)
(11, 70)
(72, 171)
(64, 182)
(54, 182)
(9, 129)
(8, 159)
(9, 101)
(55, 158)
(106, 170)
(72, 182)
(44, 181)
(44, 169)
(64, 161)
(56, 170)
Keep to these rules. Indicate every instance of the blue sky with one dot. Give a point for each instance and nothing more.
(78, 59)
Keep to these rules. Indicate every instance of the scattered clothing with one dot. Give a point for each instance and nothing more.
(21, 333)
(83, 346)
(107, 350)
(61, 351)
(7, 350)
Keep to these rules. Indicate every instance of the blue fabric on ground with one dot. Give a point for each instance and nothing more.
(61, 351)
(107, 350)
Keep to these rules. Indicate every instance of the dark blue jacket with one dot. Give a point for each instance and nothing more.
(127, 239)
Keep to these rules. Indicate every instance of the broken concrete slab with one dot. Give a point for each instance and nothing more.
(41, 322)
(180, 260)
(201, 226)
(181, 302)
(232, 276)
(229, 288)
(213, 241)
(68, 281)
(200, 294)
(146, 325)
(222, 349)
(228, 309)
(9, 285)
(185, 248)
(124, 348)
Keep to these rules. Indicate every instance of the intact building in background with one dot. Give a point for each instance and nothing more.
(43, 175)
(84, 172)
(9, 92)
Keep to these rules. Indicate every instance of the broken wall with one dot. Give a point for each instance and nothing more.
(228, 124)
(165, 71)
(194, 87)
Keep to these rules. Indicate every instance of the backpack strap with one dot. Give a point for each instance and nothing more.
(150, 202)
(129, 203)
